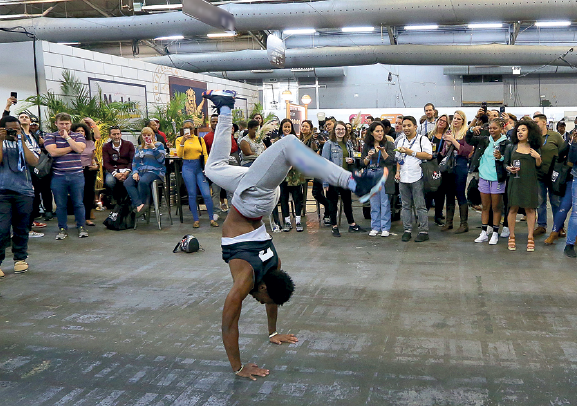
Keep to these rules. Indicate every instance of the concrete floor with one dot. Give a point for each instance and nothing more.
(117, 319)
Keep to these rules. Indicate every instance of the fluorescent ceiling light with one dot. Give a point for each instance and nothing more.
(19, 16)
(358, 29)
(162, 7)
(553, 23)
(486, 25)
(421, 27)
(221, 34)
(300, 31)
(69, 43)
(169, 38)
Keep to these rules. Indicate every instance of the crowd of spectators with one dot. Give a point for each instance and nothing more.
(516, 166)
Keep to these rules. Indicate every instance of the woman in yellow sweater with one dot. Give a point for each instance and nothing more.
(192, 149)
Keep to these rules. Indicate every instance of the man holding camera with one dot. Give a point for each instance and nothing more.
(16, 191)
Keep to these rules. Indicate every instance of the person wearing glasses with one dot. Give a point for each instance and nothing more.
(437, 138)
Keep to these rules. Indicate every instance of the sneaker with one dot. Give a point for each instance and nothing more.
(385, 233)
(1, 273)
(539, 231)
(82, 233)
(327, 221)
(356, 229)
(439, 221)
(215, 217)
(287, 227)
(276, 228)
(374, 233)
(34, 234)
(20, 266)
(570, 251)
(368, 184)
(422, 237)
(62, 234)
(406, 236)
(37, 224)
(505, 233)
(494, 239)
(48, 216)
(483, 237)
(299, 227)
(335, 232)
(220, 98)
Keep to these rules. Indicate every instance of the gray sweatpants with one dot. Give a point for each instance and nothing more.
(256, 190)
(413, 194)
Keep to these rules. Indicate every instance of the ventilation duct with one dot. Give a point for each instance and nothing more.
(281, 74)
(517, 55)
(277, 16)
(506, 70)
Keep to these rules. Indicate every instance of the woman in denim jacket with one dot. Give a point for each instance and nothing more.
(339, 150)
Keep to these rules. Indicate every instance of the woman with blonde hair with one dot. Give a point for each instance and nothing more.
(455, 183)
(436, 136)
(147, 166)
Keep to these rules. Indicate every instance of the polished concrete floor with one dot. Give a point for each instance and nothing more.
(117, 319)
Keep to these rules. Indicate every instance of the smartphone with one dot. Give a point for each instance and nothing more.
(484, 106)
(186, 131)
(502, 109)
(148, 140)
(14, 94)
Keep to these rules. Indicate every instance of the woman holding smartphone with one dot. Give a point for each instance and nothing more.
(90, 168)
(522, 161)
(192, 149)
(378, 153)
(147, 166)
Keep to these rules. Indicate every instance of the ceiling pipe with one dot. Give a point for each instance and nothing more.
(506, 70)
(280, 74)
(368, 55)
(278, 16)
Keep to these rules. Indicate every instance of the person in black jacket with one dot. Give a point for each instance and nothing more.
(378, 153)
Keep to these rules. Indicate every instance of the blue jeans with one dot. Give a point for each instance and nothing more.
(139, 192)
(70, 184)
(564, 207)
(380, 211)
(15, 212)
(542, 209)
(110, 180)
(572, 228)
(193, 176)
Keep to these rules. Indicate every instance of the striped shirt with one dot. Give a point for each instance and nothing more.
(69, 163)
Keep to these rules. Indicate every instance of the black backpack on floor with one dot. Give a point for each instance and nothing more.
(120, 218)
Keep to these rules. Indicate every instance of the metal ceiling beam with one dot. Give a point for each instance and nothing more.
(514, 32)
(392, 36)
(95, 7)
(17, 2)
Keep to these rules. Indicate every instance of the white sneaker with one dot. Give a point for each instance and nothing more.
(385, 233)
(373, 233)
(505, 233)
(483, 237)
(34, 234)
(215, 217)
(494, 239)
(276, 228)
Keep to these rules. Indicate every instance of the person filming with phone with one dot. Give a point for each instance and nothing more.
(16, 191)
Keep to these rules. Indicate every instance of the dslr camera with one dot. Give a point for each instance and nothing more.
(11, 134)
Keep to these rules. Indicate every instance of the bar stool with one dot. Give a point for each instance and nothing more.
(157, 188)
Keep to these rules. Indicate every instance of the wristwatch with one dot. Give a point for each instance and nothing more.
(414, 154)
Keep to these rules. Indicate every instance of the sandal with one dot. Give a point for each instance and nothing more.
(530, 245)
(511, 243)
(196, 224)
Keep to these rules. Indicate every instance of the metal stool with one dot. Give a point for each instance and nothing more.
(157, 187)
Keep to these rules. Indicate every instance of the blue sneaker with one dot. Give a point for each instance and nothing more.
(368, 184)
(220, 98)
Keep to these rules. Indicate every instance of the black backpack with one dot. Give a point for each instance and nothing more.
(120, 218)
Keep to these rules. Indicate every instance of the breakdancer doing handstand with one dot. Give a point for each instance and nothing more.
(246, 246)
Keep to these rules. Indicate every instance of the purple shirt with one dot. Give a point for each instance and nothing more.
(86, 156)
(69, 163)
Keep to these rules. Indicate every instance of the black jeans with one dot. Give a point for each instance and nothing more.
(41, 190)
(297, 192)
(333, 198)
(89, 192)
(319, 195)
(15, 212)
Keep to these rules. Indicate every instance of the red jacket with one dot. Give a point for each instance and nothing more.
(113, 161)
(209, 138)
